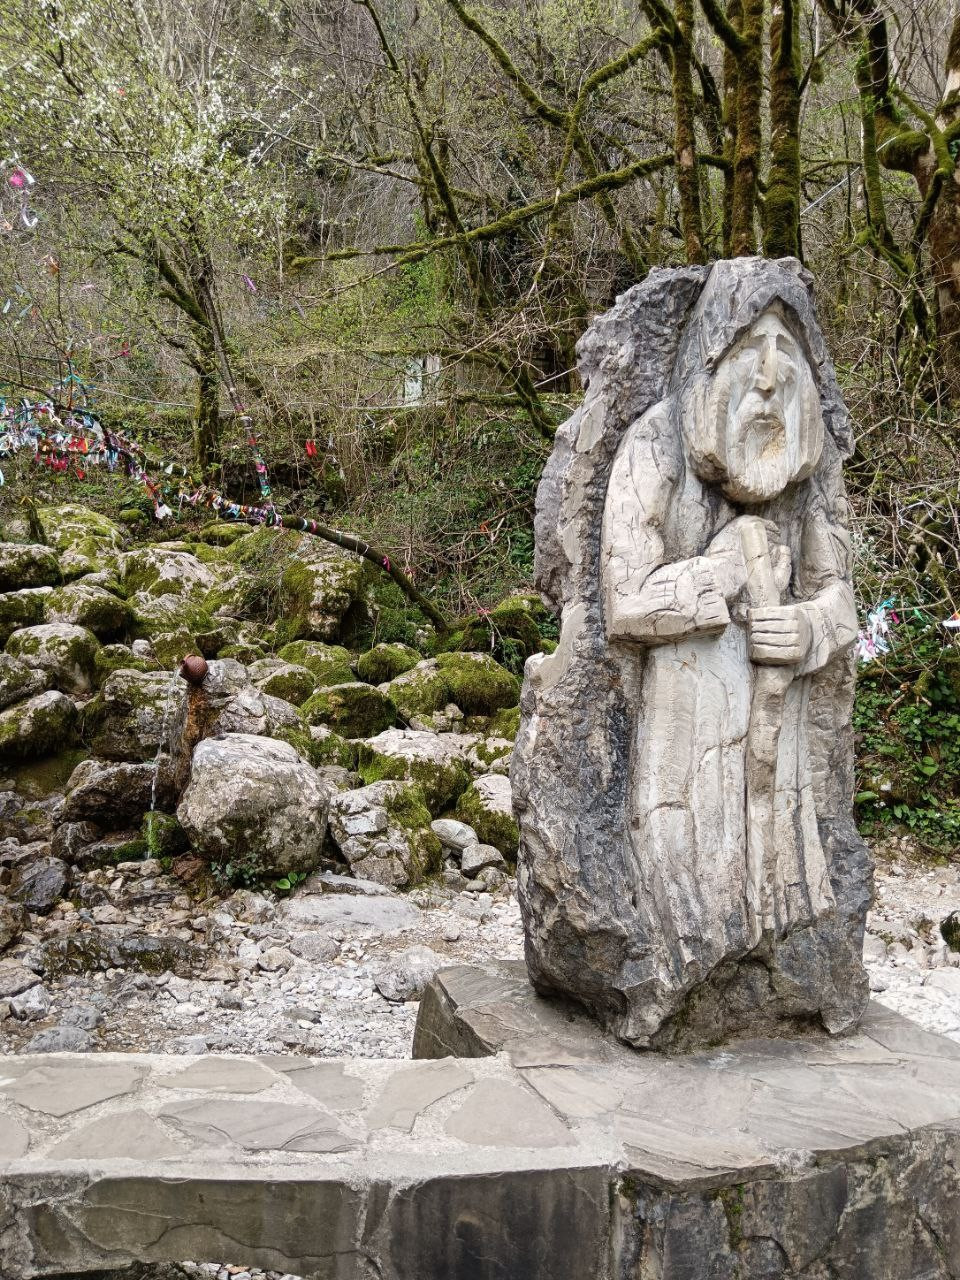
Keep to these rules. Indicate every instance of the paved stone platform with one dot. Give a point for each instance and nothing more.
(814, 1158)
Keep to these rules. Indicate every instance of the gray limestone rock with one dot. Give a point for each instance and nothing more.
(27, 565)
(478, 857)
(108, 792)
(13, 920)
(689, 865)
(254, 801)
(404, 975)
(67, 653)
(39, 726)
(134, 712)
(383, 831)
(19, 681)
(60, 1039)
(39, 883)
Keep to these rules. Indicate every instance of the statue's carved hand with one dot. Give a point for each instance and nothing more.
(780, 636)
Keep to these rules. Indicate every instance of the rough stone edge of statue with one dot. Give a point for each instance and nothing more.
(579, 931)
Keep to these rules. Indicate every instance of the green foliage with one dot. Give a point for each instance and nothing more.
(907, 721)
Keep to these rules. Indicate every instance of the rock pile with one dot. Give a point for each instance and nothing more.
(130, 808)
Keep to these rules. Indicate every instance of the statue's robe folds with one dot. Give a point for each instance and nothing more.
(639, 893)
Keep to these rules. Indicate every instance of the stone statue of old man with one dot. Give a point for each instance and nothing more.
(689, 866)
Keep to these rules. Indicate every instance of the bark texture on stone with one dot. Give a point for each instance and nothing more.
(689, 866)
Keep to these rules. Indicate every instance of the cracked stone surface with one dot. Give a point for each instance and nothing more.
(563, 1157)
(683, 776)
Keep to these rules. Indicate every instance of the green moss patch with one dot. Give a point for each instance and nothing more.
(478, 684)
(330, 663)
(385, 662)
(355, 710)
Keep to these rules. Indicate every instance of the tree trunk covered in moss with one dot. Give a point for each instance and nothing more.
(781, 209)
(747, 151)
(942, 193)
(731, 67)
(685, 136)
(206, 419)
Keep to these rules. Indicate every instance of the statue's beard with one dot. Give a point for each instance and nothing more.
(743, 444)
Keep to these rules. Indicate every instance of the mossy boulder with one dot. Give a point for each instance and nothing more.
(171, 647)
(66, 652)
(243, 651)
(385, 662)
(322, 588)
(40, 726)
(330, 663)
(421, 691)
(504, 723)
(487, 806)
(133, 713)
(18, 681)
(161, 571)
(354, 710)
(436, 762)
(86, 540)
(28, 565)
(222, 533)
(281, 679)
(20, 609)
(328, 747)
(511, 631)
(90, 606)
(163, 835)
(478, 684)
(120, 657)
(383, 831)
(133, 518)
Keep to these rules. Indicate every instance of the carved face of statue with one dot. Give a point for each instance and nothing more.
(756, 425)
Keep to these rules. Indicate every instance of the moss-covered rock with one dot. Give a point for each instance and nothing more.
(162, 835)
(20, 609)
(511, 631)
(18, 681)
(285, 680)
(221, 533)
(89, 606)
(161, 571)
(478, 684)
(436, 762)
(39, 726)
(330, 663)
(385, 662)
(27, 565)
(133, 518)
(67, 653)
(329, 748)
(420, 691)
(383, 831)
(322, 588)
(120, 657)
(243, 651)
(86, 540)
(487, 806)
(504, 723)
(171, 647)
(355, 710)
(133, 713)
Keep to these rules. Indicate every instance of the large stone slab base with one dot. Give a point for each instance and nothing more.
(564, 1157)
(819, 1158)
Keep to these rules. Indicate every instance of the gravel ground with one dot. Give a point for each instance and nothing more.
(277, 980)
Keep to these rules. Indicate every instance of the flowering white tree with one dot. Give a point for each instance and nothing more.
(147, 118)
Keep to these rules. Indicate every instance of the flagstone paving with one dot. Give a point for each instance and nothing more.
(550, 1160)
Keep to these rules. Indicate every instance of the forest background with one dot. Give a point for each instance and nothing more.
(378, 228)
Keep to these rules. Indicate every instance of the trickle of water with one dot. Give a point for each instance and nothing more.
(164, 731)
